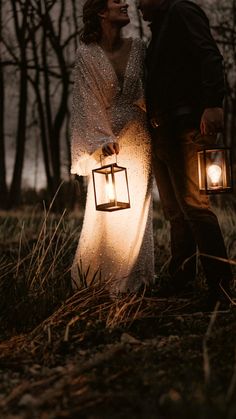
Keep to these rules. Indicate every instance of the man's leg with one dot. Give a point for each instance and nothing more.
(183, 245)
(183, 170)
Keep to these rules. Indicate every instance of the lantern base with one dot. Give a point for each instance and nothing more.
(216, 191)
(113, 206)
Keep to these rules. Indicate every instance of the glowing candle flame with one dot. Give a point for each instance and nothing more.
(110, 189)
(214, 172)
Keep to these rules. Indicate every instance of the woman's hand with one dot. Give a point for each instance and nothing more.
(110, 148)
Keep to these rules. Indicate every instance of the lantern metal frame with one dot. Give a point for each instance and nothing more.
(112, 205)
(218, 190)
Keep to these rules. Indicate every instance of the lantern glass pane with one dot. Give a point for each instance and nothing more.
(214, 170)
(104, 187)
(121, 188)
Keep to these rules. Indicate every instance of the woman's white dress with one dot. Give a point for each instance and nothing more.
(115, 247)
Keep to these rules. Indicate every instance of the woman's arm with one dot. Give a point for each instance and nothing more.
(91, 128)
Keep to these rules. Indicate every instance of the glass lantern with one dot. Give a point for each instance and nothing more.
(215, 170)
(111, 189)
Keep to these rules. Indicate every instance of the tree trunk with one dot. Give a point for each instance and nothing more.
(36, 83)
(3, 184)
(15, 189)
(48, 115)
(55, 124)
(21, 31)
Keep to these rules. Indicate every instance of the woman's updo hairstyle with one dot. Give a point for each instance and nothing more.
(92, 31)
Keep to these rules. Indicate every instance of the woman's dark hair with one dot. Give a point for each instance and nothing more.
(92, 31)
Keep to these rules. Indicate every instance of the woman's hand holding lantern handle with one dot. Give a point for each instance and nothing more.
(110, 148)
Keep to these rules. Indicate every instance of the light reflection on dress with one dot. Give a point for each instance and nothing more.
(117, 245)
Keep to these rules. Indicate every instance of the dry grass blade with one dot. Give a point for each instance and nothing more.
(40, 264)
(71, 323)
(232, 387)
(206, 357)
(15, 393)
(19, 252)
(230, 261)
(42, 234)
(49, 332)
(56, 258)
(228, 296)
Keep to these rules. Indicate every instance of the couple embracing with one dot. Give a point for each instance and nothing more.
(153, 108)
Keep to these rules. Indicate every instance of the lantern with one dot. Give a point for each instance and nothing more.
(215, 170)
(111, 190)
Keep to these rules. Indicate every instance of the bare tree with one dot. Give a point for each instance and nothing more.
(38, 51)
(20, 12)
(223, 18)
(52, 89)
(3, 184)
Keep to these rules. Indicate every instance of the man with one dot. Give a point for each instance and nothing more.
(185, 89)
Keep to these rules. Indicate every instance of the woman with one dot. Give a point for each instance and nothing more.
(108, 119)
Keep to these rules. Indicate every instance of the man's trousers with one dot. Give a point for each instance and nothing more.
(193, 223)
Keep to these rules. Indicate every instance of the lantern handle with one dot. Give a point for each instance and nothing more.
(220, 138)
(102, 158)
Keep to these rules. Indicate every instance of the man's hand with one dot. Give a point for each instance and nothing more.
(212, 121)
(110, 148)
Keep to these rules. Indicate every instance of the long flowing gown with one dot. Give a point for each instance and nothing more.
(116, 247)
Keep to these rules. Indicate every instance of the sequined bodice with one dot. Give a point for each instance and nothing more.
(123, 95)
(100, 101)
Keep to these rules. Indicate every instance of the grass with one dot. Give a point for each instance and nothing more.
(37, 249)
(36, 254)
(137, 356)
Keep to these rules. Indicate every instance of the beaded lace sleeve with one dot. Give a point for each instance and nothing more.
(90, 128)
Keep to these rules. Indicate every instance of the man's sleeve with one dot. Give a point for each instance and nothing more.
(194, 25)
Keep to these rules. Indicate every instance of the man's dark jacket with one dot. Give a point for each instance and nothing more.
(184, 65)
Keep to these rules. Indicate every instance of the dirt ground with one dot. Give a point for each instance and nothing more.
(179, 362)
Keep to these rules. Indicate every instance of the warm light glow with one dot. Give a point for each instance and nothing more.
(110, 189)
(214, 172)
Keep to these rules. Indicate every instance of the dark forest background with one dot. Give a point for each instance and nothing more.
(38, 43)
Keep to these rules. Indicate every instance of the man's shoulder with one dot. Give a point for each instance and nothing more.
(186, 8)
(184, 5)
